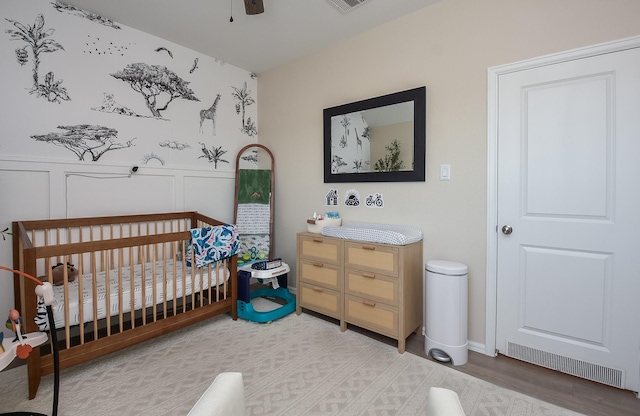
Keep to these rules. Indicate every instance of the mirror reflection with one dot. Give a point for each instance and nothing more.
(379, 139)
(373, 140)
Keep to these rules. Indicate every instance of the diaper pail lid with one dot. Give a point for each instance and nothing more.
(450, 268)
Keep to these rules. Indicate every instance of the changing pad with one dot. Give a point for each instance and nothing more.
(399, 235)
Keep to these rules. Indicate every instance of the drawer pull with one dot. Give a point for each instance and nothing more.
(318, 265)
(368, 303)
(367, 247)
(369, 275)
(317, 289)
(318, 240)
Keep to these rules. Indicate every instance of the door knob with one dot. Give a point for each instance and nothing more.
(506, 229)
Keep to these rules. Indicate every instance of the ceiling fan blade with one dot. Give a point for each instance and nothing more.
(253, 6)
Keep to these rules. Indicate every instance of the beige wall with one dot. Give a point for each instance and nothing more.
(383, 136)
(447, 47)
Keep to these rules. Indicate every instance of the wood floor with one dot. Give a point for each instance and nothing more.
(563, 390)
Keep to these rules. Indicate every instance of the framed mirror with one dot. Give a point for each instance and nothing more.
(253, 213)
(381, 139)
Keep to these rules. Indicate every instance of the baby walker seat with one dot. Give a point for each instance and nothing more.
(277, 278)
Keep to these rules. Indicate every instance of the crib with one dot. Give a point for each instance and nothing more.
(138, 279)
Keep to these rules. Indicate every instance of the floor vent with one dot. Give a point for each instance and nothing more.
(583, 369)
(345, 6)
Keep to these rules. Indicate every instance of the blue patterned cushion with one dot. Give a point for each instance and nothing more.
(211, 244)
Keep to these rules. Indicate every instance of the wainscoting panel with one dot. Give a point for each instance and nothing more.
(114, 194)
(18, 204)
(212, 196)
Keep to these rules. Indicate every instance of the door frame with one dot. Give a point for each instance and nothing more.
(493, 76)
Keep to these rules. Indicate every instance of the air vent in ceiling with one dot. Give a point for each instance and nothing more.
(345, 6)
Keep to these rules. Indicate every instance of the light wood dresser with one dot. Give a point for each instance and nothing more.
(374, 286)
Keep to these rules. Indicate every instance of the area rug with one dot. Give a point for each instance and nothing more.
(297, 365)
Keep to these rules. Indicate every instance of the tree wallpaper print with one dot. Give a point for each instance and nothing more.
(80, 87)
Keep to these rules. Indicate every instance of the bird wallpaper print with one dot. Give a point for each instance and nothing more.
(78, 86)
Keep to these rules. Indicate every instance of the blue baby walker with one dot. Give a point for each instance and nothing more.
(276, 277)
(254, 218)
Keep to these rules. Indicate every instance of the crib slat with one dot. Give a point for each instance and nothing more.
(107, 293)
(184, 275)
(102, 253)
(81, 292)
(140, 250)
(65, 282)
(111, 255)
(194, 271)
(172, 256)
(94, 295)
(57, 242)
(201, 283)
(164, 278)
(143, 291)
(210, 270)
(174, 246)
(153, 283)
(120, 289)
(222, 274)
(132, 291)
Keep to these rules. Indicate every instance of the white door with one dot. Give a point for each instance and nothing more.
(568, 216)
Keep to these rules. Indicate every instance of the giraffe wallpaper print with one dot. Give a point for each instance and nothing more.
(351, 153)
(78, 86)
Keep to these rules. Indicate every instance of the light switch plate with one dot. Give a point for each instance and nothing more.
(445, 172)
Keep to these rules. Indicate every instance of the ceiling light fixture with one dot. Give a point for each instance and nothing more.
(253, 7)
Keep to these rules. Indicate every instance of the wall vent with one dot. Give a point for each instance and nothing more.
(345, 6)
(583, 369)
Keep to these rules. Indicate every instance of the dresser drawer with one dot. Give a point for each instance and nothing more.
(374, 286)
(368, 314)
(320, 249)
(320, 299)
(374, 257)
(319, 273)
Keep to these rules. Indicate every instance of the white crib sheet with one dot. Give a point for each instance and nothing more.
(150, 281)
(399, 235)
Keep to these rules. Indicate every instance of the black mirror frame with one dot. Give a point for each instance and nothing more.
(419, 98)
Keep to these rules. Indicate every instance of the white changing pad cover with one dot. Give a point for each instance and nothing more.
(398, 235)
(150, 281)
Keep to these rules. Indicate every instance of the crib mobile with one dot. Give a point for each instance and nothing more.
(253, 215)
(22, 345)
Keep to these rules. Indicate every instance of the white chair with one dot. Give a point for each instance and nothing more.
(443, 402)
(224, 397)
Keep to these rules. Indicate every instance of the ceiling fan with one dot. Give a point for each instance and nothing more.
(253, 7)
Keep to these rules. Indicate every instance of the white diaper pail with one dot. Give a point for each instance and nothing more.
(445, 308)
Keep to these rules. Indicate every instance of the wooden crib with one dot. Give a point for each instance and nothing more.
(139, 260)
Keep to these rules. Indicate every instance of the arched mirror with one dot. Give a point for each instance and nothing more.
(253, 213)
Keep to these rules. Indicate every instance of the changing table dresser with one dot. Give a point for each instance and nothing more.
(374, 286)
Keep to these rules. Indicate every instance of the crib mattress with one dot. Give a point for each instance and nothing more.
(399, 235)
(150, 281)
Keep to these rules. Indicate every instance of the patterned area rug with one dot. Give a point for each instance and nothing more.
(298, 365)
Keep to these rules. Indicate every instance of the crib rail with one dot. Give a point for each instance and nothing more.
(154, 246)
